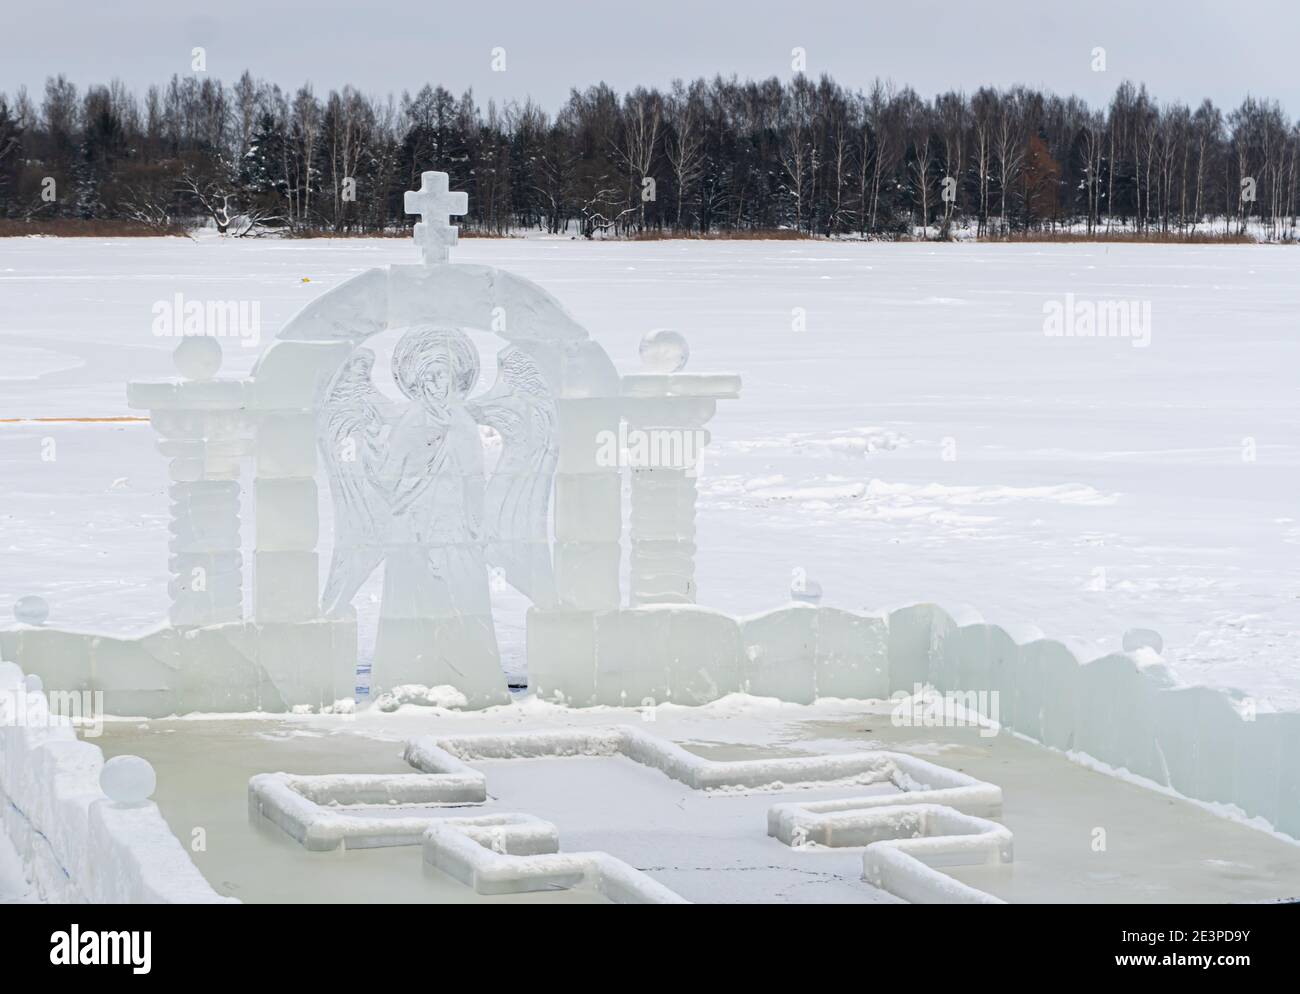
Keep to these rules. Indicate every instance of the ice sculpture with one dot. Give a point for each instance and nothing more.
(522, 410)
(435, 202)
(409, 488)
(415, 494)
(406, 480)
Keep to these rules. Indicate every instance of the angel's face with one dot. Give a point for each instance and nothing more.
(436, 378)
(435, 366)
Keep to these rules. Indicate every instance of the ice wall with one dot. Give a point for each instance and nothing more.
(76, 845)
(233, 668)
(1123, 709)
(692, 655)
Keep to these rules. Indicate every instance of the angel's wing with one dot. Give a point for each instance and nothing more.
(352, 421)
(517, 498)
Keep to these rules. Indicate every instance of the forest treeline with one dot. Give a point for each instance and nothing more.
(707, 157)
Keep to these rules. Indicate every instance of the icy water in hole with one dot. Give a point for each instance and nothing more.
(1158, 848)
(203, 770)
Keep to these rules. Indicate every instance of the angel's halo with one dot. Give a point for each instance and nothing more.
(485, 346)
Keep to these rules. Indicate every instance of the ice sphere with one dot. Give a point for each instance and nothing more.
(33, 684)
(664, 351)
(1143, 638)
(197, 357)
(128, 780)
(31, 610)
(804, 588)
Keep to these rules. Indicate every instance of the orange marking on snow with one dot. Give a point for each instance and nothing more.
(94, 421)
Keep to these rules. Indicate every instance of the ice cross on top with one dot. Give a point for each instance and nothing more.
(434, 234)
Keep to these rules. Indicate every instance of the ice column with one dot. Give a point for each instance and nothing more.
(204, 433)
(287, 383)
(588, 505)
(663, 444)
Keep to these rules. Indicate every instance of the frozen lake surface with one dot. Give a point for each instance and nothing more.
(906, 431)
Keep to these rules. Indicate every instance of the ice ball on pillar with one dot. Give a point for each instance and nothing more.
(664, 351)
(31, 610)
(1143, 638)
(197, 357)
(128, 780)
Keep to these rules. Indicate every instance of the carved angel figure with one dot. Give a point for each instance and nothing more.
(408, 482)
(521, 409)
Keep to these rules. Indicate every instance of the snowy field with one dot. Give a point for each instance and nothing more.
(916, 436)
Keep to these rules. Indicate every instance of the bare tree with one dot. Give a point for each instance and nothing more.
(306, 125)
(1009, 144)
(1092, 146)
(1241, 124)
(348, 121)
(684, 141)
(216, 196)
(920, 172)
(984, 108)
(952, 113)
(881, 119)
(642, 112)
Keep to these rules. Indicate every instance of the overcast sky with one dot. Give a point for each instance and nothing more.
(1182, 49)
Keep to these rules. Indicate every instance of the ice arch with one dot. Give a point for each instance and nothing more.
(287, 390)
(469, 297)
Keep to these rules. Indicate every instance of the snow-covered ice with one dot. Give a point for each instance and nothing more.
(907, 431)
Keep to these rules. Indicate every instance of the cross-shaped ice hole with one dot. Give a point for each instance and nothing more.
(905, 813)
(435, 203)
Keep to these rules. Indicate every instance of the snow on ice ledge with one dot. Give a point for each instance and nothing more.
(493, 854)
(514, 854)
(75, 844)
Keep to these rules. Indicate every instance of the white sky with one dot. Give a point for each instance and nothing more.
(1182, 49)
